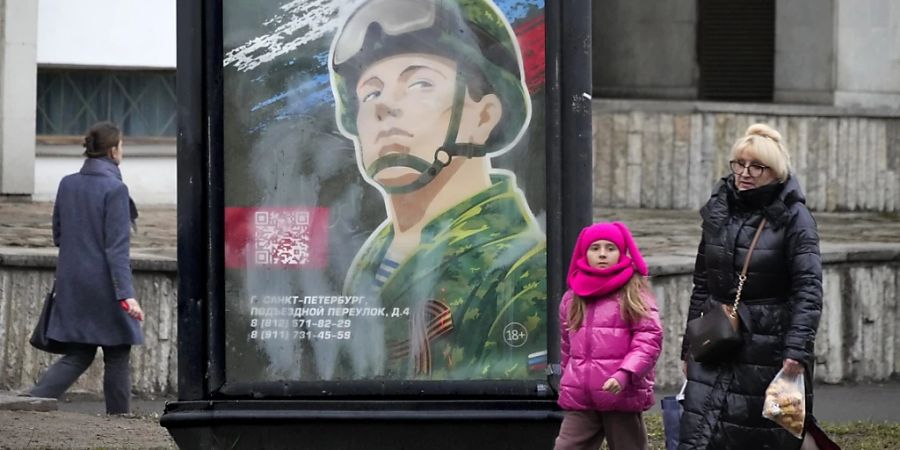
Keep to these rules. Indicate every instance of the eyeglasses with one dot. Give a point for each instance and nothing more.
(753, 169)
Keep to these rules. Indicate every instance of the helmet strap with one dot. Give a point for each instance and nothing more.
(451, 147)
(428, 171)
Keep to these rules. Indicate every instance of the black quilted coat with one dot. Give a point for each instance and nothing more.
(781, 305)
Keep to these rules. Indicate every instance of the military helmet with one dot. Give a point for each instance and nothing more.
(474, 33)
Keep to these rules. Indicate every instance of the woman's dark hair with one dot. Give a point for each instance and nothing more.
(101, 137)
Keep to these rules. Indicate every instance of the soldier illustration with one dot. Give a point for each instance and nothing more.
(429, 91)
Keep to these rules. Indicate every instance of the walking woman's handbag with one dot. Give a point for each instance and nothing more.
(717, 333)
(39, 338)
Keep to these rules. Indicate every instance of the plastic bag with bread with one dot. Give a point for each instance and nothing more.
(786, 402)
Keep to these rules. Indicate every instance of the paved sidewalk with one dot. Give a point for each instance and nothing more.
(876, 402)
(78, 403)
(139, 407)
(841, 403)
(873, 402)
(80, 424)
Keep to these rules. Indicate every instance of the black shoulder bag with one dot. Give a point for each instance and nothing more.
(717, 333)
(39, 338)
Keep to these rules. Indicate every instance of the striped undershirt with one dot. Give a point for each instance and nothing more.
(385, 269)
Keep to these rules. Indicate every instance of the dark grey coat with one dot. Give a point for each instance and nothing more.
(92, 228)
(781, 305)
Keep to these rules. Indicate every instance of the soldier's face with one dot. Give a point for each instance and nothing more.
(405, 104)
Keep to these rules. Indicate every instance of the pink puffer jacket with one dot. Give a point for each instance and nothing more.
(602, 345)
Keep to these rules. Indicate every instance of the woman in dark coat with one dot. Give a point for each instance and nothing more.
(95, 304)
(780, 305)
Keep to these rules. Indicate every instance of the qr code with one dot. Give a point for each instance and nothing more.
(282, 238)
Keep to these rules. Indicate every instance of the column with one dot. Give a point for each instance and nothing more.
(18, 96)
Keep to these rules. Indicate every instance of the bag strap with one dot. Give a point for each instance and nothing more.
(753, 243)
(743, 276)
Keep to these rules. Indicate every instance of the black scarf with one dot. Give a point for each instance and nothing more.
(753, 199)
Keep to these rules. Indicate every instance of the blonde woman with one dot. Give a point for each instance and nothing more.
(781, 300)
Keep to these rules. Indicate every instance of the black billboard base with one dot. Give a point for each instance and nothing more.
(381, 424)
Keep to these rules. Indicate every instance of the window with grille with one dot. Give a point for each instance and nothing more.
(142, 103)
(736, 49)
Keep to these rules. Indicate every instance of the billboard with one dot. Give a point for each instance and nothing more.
(385, 190)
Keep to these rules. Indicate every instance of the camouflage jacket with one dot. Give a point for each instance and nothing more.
(472, 295)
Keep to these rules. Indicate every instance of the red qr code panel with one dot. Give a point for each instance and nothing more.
(276, 237)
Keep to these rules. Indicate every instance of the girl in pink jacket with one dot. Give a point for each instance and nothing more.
(611, 338)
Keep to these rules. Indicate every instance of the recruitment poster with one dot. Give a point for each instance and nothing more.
(385, 190)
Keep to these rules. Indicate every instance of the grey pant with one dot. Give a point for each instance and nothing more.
(66, 370)
(587, 430)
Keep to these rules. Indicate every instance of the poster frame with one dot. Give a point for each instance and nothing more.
(201, 304)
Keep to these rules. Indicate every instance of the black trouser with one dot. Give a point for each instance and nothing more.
(66, 370)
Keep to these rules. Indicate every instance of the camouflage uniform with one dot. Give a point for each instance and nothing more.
(473, 293)
(475, 289)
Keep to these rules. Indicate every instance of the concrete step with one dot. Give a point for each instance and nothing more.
(13, 401)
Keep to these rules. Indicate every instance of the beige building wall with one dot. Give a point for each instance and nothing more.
(867, 53)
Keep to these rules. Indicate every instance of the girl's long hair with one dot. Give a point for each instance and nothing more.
(631, 303)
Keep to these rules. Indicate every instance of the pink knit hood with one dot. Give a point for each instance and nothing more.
(587, 281)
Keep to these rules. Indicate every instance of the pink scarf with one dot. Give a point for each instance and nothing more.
(587, 281)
